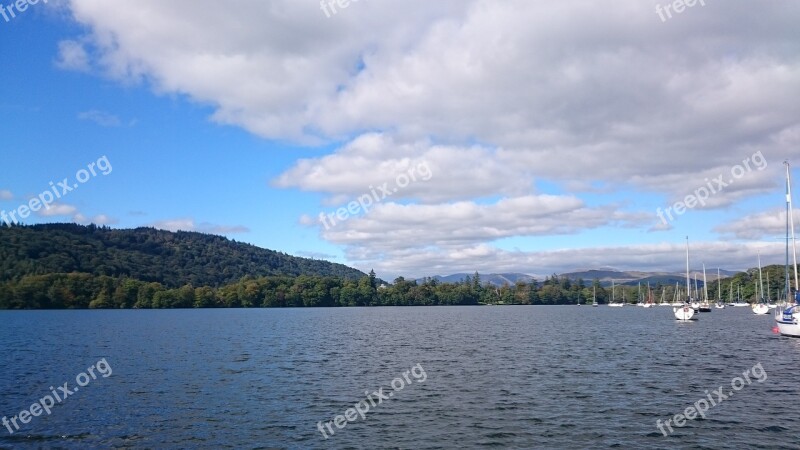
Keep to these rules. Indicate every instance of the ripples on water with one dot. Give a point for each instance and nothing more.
(504, 377)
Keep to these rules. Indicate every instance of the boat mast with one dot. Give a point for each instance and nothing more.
(768, 286)
(612, 291)
(755, 283)
(788, 286)
(760, 279)
(705, 285)
(688, 288)
(719, 287)
(790, 217)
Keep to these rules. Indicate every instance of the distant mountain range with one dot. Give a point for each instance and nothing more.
(498, 279)
(605, 275)
(634, 277)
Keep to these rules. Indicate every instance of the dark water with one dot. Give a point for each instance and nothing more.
(503, 377)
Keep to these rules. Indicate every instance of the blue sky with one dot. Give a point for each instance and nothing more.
(551, 135)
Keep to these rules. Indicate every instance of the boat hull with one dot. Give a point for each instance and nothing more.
(684, 313)
(760, 309)
(789, 322)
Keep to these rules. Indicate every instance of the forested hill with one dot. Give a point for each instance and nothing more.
(147, 254)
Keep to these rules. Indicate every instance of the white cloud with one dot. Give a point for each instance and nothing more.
(188, 224)
(58, 209)
(660, 226)
(101, 118)
(72, 56)
(392, 225)
(306, 220)
(495, 96)
(391, 236)
(667, 256)
(65, 210)
(768, 225)
(100, 219)
(430, 173)
(6, 195)
(316, 255)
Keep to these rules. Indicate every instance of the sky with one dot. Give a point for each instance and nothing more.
(415, 138)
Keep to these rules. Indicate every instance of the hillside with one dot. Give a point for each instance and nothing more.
(147, 254)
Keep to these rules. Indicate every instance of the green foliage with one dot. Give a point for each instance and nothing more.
(147, 254)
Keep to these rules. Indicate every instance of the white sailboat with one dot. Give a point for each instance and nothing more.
(695, 303)
(614, 303)
(739, 301)
(769, 300)
(719, 304)
(760, 308)
(594, 296)
(639, 301)
(664, 302)
(788, 321)
(677, 295)
(649, 303)
(686, 312)
(705, 306)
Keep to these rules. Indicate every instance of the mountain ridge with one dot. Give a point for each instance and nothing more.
(147, 254)
(605, 275)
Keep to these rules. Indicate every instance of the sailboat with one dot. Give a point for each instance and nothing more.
(739, 301)
(705, 306)
(730, 295)
(788, 321)
(719, 304)
(769, 300)
(649, 303)
(675, 301)
(664, 302)
(614, 303)
(695, 304)
(639, 301)
(686, 312)
(760, 308)
(594, 296)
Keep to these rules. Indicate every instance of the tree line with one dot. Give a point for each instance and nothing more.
(82, 290)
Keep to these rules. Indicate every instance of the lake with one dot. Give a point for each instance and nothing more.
(469, 377)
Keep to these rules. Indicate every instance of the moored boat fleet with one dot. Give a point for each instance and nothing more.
(689, 303)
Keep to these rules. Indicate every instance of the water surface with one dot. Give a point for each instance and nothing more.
(504, 377)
